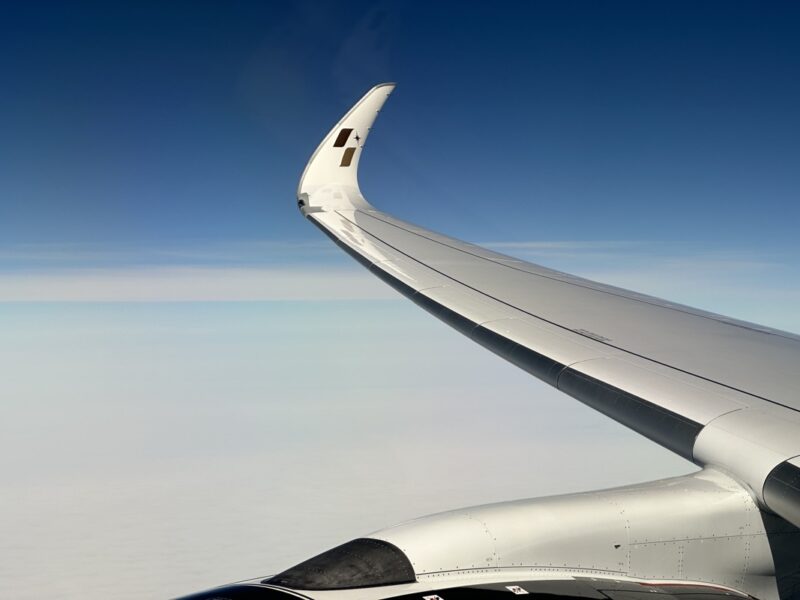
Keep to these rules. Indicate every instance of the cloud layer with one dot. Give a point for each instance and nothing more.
(191, 284)
(746, 284)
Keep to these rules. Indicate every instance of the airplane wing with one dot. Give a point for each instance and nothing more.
(717, 391)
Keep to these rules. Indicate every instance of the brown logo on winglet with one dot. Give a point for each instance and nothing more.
(341, 139)
(347, 157)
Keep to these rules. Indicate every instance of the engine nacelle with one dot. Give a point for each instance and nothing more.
(702, 529)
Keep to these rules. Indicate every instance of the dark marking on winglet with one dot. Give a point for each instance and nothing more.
(341, 139)
(347, 158)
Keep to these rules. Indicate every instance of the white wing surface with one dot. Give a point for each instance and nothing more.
(717, 391)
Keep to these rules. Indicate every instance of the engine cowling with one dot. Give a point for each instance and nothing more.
(702, 529)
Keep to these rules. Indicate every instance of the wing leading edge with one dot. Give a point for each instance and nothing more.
(717, 391)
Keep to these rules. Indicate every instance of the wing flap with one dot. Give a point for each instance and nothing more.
(694, 398)
(548, 340)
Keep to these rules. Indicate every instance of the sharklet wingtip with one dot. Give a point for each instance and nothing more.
(330, 179)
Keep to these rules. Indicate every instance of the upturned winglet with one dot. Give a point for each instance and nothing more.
(330, 179)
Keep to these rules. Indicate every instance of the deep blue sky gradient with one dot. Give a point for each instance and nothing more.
(156, 122)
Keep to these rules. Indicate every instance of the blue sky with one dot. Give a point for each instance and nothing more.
(198, 387)
(158, 123)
